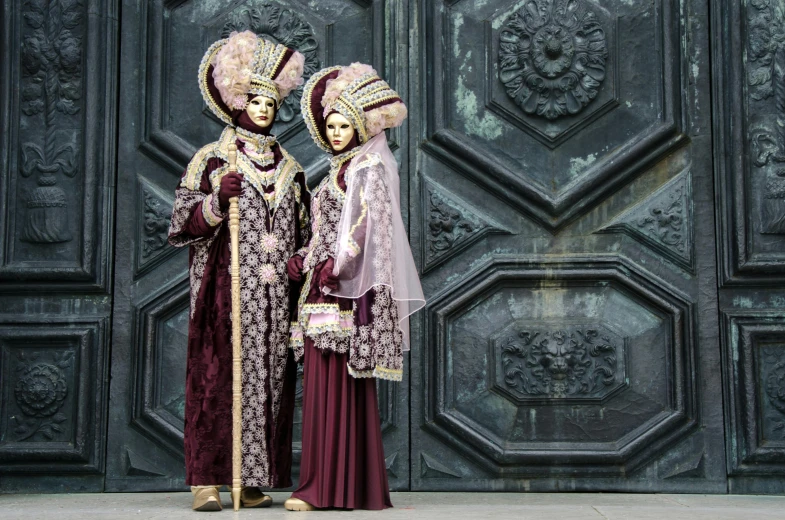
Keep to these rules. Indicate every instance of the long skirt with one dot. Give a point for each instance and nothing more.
(343, 457)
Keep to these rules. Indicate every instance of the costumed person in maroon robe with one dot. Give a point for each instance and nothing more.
(243, 80)
(360, 286)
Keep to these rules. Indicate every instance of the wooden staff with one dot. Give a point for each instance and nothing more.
(237, 351)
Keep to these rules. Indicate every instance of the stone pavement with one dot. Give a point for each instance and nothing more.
(411, 506)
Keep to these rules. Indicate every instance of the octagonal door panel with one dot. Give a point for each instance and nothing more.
(163, 121)
(562, 212)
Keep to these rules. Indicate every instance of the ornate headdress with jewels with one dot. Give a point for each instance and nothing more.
(244, 64)
(356, 92)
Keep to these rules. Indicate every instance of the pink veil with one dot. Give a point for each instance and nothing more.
(372, 245)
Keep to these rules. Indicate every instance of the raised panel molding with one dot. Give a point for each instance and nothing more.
(53, 390)
(160, 358)
(591, 344)
(480, 131)
(58, 155)
(166, 122)
(430, 467)
(160, 354)
(662, 222)
(754, 375)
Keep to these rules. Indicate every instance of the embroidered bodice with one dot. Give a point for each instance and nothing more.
(326, 205)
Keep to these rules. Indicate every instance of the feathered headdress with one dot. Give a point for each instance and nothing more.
(245, 64)
(356, 92)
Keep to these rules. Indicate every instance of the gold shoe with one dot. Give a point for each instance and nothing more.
(253, 497)
(206, 499)
(295, 504)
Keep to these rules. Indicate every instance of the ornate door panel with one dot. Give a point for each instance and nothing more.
(749, 77)
(57, 114)
(562, 213)
(163, 122)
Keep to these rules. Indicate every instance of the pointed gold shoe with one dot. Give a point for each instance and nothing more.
(295, 504)
(253, 497)
(206, 499)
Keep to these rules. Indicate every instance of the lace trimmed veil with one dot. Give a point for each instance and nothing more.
(381, 254)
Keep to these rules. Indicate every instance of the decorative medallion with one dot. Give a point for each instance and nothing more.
(267, 273)
(566, 362)
(269, 242)
(552, 56)
(286, 27)
(40, 391)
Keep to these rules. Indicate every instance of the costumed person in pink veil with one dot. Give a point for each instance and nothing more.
(243, 80)
(360, 286)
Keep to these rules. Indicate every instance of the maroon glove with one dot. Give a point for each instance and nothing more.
(294, 268)
(231, 186)
(326, 277)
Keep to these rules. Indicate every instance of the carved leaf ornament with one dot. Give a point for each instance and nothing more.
(51, 83)
(559, 363)
(766, 79)
(552, 57)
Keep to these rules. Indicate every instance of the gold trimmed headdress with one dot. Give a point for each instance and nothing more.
(244, 64)
(356, 92)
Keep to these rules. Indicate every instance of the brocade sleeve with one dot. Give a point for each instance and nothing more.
(377, 343)
(197, 214)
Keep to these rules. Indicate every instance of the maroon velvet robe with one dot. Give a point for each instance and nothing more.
(273, 225)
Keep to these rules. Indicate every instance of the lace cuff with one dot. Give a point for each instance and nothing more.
(211, 210)
(380, 372)
(319, 318)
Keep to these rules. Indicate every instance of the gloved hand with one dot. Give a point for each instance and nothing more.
(294, 268)
(231, 186)
(326, 277)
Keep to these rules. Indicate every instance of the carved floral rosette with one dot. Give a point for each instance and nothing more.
(40, 392)
(552, 57)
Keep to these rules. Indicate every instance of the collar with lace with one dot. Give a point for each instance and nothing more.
(257, 147)
(341, 159)
(331, 179)
(258, 141)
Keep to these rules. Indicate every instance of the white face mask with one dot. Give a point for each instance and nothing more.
(339, 131)
(261, 110)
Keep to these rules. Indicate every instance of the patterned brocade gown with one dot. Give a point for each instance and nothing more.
(273, 225)
(346, 344)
